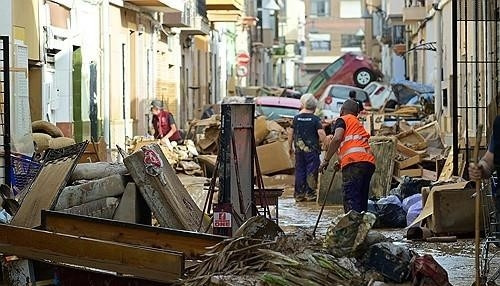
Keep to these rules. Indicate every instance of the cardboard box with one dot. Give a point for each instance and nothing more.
(274, 158)
(414, 172)
(451, 209)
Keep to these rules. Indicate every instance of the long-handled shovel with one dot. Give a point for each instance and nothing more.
(477, 228)
(324, 203)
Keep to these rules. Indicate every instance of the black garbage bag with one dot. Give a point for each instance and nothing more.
(390, 260)
(372, 207)
(410, 186)
(390, 216)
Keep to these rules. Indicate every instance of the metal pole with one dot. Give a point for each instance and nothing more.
(477, 227)
(454, 93)
(438, 92)
(6, 107)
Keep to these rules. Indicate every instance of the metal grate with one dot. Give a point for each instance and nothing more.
(5, 152)
(475, 70)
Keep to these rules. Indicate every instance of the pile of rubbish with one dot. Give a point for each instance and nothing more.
(183, 157)
(350, 254)
(401, 207)
(270, 138)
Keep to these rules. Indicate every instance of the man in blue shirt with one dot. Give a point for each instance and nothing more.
(304, 139)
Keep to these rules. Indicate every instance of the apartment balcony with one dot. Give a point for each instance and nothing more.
(199, 25)
(414, 14)
(227, 5)
(224, 15)
(158, 5)
(180, 18)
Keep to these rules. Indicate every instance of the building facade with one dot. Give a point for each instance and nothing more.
(332, 27)
(94, 66)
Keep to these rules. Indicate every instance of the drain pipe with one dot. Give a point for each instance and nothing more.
(105, 58)
(438, 91)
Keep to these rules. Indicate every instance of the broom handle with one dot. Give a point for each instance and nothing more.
(477, 228)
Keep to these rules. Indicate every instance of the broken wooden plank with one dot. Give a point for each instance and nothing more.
(71, 196)
(142, 262)
(409, 162)
(429, 175)
(75, 276)
(127, 210)
(192, 244)
(412, 140)
(407, 152)
(51, 179)
(163, 191)
(99, 170)
(335, 193)
(102, 208)
(414, 172)
(384, 150)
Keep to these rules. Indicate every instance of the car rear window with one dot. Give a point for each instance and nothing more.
(343, 93)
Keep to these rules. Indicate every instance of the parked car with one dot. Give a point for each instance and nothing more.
(411, 92)
(380, 94)
(350, 69)
(277, 107)
(334, 96)
(414, 93)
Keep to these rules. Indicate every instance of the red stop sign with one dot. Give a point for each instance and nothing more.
(243, 58)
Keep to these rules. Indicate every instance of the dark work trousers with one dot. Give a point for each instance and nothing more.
(356, 185)
(306, 173)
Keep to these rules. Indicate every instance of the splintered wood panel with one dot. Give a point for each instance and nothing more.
(164, 193)
(384, 150)
(148, 263)
(192, 244)
(51, 179)
(335, 193)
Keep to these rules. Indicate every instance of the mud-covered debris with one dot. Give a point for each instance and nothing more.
(348, 232)
(259, 227)
(391, 260)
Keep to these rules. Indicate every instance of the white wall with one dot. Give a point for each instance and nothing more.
(86, 33)
(63, 85)
(5, 17)
(394, 7)
(398, 67)
(429, 73)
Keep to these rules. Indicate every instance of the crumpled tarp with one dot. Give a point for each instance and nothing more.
(416, 86)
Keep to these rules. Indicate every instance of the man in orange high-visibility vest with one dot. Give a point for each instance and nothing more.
(356, 159)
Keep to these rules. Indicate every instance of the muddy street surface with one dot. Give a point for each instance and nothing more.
(457, 258)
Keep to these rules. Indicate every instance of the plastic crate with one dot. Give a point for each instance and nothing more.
(23, 171)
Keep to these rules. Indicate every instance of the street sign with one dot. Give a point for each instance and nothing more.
(222, 219)
(243, 58)
(241, 70)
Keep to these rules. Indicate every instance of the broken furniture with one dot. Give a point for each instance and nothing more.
(444, 208)
(161, 188)
(56, 170)
(268, 197)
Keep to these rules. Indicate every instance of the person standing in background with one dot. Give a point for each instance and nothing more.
(304, 139)
(164, 123)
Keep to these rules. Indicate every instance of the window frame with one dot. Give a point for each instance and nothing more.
(327, 8)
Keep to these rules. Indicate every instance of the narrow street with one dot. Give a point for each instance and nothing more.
(199, 142)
